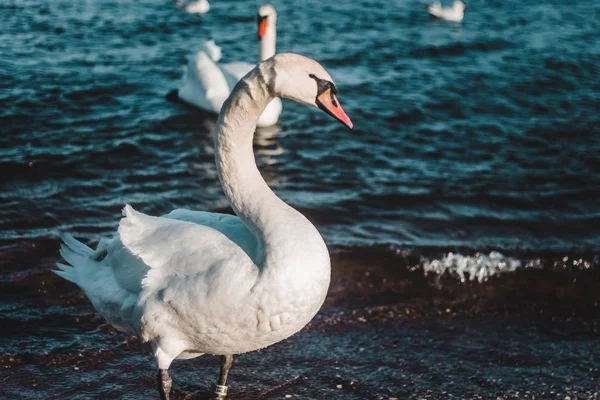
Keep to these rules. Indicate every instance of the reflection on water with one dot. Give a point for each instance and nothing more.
(266, 141)
(268, 148)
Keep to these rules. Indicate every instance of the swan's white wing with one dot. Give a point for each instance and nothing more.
(270, 116)
(214, 52)
(172, 248)
(229, 225)
(204, 85)
(129, 270)
(235, 71)
(148, 252)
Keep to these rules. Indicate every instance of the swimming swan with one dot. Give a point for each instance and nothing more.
(207, 83)
(455, 13)
(194, 7)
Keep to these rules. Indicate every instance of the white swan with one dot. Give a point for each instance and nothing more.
(207, 84)
(455, 13)
(195, 7)
(195, 282)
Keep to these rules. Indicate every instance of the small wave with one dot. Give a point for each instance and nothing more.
(477, 267)
(459, 49)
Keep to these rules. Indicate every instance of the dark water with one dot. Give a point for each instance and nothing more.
(469, 138)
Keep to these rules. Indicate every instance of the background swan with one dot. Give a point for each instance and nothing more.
(196, 282)
(455, 13)
(195, 7)
(207, 83)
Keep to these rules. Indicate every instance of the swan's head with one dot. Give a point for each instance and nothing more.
(267, 17)
(304, 80)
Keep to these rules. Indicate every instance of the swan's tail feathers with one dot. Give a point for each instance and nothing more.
(130, 213)
(95, 278)
(76, 245)
(78, 255)
(212, 50)
(66, 272)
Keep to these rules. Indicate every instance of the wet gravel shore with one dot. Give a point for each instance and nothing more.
(385, 331)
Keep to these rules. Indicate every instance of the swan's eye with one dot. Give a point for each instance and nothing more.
(323, 85)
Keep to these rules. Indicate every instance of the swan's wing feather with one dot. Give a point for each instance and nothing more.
(128, 269)
(235, 71)
(229, 225)
(113, 301)
(214, 52)
(176, 248)
(204, 84)
(238, 69)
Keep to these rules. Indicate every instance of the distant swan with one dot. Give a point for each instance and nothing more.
(195, 7)
(207, 83)
(196, 282)
(455, 13)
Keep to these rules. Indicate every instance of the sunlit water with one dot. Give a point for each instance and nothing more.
(468, 137)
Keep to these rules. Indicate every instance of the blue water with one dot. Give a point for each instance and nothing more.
(482, 134)
(474, 137)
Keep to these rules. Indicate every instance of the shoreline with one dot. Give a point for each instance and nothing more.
(386, 330)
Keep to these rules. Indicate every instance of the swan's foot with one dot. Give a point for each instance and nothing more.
(220, 391)
(164, 383)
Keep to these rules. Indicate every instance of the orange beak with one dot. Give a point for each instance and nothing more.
(262, 27)
(329, 103)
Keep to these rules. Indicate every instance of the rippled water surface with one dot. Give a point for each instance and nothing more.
(468, 137)
(482, 134)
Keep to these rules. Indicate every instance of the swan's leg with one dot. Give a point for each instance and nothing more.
(163, 360)
(221, 386)
(164, 383)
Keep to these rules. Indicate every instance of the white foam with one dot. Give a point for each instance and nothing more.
(478, 267)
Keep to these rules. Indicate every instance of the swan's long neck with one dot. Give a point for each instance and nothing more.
(267, 43)
(267, 216)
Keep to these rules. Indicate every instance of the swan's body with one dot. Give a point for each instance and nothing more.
(455, 13)
(194, 7)
(207, 83)
(196, 282)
